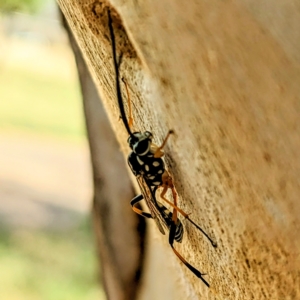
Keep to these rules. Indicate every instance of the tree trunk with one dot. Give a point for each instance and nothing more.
(225, 76)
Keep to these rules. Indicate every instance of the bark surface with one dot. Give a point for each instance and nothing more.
(225, 76)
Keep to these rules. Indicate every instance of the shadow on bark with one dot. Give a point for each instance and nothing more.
(119, 232)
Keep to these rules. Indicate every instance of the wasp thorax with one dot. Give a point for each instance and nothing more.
(140, 142)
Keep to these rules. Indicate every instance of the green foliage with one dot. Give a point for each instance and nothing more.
(7, 6)
(44, 263)
(49, 265)
(41, 104)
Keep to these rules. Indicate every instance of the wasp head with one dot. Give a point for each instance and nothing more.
(140, 142)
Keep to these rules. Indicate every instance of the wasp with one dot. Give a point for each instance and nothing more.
(147, 164)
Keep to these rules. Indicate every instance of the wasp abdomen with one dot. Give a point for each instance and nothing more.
(167, 215)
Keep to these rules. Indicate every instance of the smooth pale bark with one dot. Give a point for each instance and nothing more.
(225, 76)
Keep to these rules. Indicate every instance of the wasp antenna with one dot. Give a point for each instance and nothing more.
(116, 66)
(130, 118)
(120, 61)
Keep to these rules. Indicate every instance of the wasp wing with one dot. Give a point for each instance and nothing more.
(151, 203)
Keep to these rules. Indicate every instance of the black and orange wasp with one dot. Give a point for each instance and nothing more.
(148, 166)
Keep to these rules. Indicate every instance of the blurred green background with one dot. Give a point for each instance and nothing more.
(47, 248)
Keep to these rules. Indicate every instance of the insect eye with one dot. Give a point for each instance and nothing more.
(141, 147)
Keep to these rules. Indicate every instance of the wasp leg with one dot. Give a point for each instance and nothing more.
(171, 242)
(134, 201)
(130, 118)
(170, 185)
(158, 153)
(174, 205)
